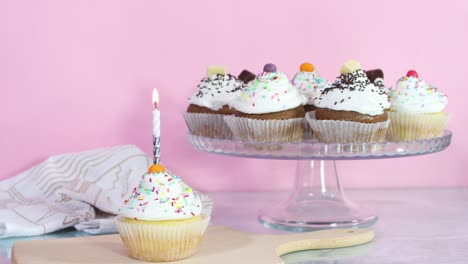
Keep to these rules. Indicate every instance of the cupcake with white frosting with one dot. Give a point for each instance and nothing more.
(211, 102)
(417, 109)
(310, 84)
(269, 109)
(163, 219)
(352, 110)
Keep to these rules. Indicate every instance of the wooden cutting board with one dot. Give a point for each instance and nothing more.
(220, 245)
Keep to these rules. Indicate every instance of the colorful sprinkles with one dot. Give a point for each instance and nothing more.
(310, 84)
(165, 195)
(411, 90)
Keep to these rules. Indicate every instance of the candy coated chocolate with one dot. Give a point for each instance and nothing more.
(270, 67)
(412, 73)
(306, 67)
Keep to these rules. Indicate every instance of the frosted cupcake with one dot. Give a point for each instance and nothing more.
(310, 84)
(417, 109)
(269, 109)
(211, 102)
(352, 110)
(163, 219)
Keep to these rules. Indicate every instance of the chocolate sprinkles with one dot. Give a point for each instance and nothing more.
(219, 82)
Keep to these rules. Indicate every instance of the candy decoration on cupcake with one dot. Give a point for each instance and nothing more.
(376, 77)
(156, 168)
(215, 69)
(412, 73)
(307, 67)
(245, 76)
(269, 67)
(350, 66)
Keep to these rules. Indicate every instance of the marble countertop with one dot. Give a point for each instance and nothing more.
(415, 226)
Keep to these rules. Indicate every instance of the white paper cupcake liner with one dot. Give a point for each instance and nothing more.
(150, 241)
(408, 127)
(207, 204)
(256, 130)
(307, 132)
(333, 131)
(207, 125)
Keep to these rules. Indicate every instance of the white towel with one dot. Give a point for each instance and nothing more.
(66, 189)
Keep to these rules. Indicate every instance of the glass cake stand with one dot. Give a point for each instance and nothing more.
(317, 200)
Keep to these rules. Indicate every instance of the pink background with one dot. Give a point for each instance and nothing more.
(76, 75)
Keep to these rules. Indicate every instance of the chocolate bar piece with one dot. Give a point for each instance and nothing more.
(374, 74)
(245, 76)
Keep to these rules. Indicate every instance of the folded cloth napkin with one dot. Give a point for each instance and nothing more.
(64, 191)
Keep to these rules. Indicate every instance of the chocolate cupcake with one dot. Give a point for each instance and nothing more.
(269, 109)
(211, 102)
(352, 110)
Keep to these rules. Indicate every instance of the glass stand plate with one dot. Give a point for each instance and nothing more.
(317, 200)
(313, 149)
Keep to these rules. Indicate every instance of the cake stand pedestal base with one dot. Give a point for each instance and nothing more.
(317, 202)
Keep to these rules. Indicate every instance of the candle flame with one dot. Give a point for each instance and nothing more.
(155, 96)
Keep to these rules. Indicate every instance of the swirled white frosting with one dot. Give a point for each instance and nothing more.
(270, 92)
(161, 196)
(310, 84)
(354, 92)
(217, 91)
(413, 95)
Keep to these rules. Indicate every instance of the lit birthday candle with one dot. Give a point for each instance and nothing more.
(156, 129)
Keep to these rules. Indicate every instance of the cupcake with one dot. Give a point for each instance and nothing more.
(211, 102)
(352, 110)
(417, 109)
(163, 219)
(269, 109)
(377, 78)
(311, 85)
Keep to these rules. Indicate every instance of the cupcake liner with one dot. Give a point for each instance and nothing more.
(207, 203)
(307, 132)
(207, 125)
(153, 241)
(333, 131)
(257, 130)
(407, 127)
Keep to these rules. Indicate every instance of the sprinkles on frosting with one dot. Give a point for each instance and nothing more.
(269, 92)
(310, 84)
(161, 196)
(356, 81)
(218, 84)
(416, 96)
